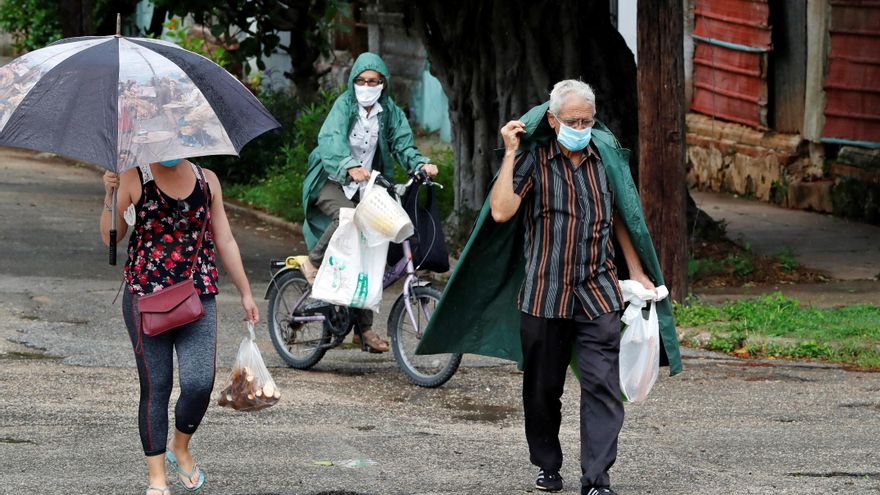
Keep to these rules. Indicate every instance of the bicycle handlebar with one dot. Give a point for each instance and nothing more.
(419, 176)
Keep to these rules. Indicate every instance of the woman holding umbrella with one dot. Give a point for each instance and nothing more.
(172, 203)
(96, 99)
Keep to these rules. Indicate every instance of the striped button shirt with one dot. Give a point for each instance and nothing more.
(568, 223)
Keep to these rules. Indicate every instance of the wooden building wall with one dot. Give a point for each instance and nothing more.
(732, 42)
(852, 84)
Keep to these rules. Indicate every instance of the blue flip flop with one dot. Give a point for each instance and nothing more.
(169, 456)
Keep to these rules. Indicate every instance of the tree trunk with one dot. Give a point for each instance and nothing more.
(301, 21)
(498, 58)
(157, 22)
(76, 17)
(661, 143)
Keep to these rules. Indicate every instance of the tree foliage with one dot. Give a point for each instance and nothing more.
(257, 25)
(177, 33)
(33, 24)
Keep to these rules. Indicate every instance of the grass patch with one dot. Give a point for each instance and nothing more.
(741, 265)
(785, 256)
(722, 263)
(777, 326)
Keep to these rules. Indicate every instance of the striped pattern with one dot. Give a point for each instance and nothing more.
(569, 250)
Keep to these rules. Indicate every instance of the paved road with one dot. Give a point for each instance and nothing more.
(68, 394)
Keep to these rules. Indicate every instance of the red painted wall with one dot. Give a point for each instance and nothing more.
(731, 84)
(852, 85)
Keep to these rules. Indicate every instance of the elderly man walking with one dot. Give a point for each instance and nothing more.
(537, 281)
(570, 299)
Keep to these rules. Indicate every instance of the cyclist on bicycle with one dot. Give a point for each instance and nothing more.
(363, 130)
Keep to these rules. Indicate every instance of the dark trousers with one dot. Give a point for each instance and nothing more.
(547, 345)
(330, 200)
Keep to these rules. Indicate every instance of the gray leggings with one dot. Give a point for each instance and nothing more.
(196, 346)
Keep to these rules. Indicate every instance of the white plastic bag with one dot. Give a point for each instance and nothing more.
(379, 217)
(640, 343)
(352, 271)
(249, 387)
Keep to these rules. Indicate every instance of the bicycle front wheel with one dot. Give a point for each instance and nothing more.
(425, 371)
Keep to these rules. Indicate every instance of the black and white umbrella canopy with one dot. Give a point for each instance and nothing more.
(121, 102)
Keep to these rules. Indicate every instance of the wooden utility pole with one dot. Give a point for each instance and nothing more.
(662, 182)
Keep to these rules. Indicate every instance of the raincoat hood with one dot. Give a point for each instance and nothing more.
(370, 61)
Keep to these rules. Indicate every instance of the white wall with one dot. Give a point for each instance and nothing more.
(626, 23)
(627, 12)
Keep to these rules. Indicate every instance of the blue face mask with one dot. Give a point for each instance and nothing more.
(573, 139)
(170, 163)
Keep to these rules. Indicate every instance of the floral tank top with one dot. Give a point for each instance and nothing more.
(164, 238)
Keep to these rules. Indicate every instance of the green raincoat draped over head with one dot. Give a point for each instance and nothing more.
(478, 313)
(332, 157)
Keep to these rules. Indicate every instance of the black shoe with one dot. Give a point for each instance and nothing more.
(592, 490)
(549, 481)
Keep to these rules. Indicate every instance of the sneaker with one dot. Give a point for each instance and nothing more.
(549, 481)
(592, 490)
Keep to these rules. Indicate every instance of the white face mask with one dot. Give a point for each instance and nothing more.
(367, 96)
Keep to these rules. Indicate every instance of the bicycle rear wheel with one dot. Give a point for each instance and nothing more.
(300, 344)
(425, 371)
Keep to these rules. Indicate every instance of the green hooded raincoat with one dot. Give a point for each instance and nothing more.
(332, 157)
(478, 313)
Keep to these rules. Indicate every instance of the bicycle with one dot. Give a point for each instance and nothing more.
(303, 332)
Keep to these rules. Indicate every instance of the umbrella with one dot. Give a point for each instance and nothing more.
(119, 102)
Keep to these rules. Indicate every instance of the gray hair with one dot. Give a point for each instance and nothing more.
(570, 87)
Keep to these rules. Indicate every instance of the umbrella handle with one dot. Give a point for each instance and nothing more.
(113, 229)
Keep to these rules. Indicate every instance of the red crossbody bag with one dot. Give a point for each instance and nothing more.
(178, 304)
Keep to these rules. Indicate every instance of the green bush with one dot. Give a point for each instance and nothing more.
(442, 156)
(262, 155)
(270, 173)
(33, 24)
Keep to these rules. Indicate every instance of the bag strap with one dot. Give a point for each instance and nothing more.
(201, 176)
(119, 291)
